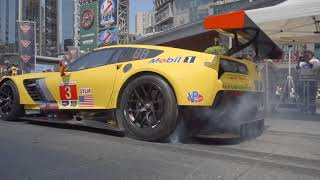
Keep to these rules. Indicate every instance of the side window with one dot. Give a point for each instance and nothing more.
(227, 65)
(130, 54)
(126, 54)
(153, 53)
(91, 60)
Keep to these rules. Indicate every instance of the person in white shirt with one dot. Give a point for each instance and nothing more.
(308, 66)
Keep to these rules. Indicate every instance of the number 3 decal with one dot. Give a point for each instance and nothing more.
(68, 91)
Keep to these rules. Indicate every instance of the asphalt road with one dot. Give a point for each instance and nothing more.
(42, 152)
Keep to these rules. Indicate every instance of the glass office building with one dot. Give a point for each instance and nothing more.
(65, 22)
(8, 17)
(44, 13)
(174, 13)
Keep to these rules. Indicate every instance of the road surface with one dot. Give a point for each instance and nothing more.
(36, 152)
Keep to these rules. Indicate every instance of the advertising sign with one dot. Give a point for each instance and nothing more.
(45, 67)
(108, 13)
(27, 45)
(296, 52)
(88, 26)
(107, 37)
(86, 1)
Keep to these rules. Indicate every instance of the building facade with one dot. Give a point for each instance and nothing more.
(174, 13)
(145, 22)
(8, 16)
(46, 16)
(44, 13)
(65, 23)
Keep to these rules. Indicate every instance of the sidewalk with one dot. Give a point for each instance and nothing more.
(288, 133)
(293, 121)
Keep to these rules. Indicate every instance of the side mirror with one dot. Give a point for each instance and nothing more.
(63, 67)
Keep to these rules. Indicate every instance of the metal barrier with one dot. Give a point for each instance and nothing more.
(306, 91)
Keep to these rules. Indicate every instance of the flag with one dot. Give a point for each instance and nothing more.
(27, 45)
(86, 100)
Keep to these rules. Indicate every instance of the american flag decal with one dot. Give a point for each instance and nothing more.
(86, 101)
(189, 59)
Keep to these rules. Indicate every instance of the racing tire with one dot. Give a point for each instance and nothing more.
(10, 108)
(148, 109)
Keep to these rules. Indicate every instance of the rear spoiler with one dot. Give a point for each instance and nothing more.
(245, 33)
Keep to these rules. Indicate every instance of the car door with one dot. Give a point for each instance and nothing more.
(88, 83)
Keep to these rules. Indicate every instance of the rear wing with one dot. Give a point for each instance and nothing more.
(245, 33)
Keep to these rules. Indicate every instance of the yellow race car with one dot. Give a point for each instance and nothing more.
(141, 90)
(145, 85)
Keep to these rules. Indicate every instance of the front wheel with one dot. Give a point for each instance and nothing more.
(10, 108)
(148, 108)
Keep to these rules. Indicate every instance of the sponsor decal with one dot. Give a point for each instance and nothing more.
(187, 59)
(86, 101)
(242, 87)
(25, 43)
(166, 60)
(69, 103)
(85, 91)
(25, 28)
(74, 103)
(65, 103)
(25, 58)
(68, 91)
(195, 97)
(87, 18)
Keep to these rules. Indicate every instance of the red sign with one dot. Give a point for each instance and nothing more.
(25, 58)
(25, 28)
(25, 43)
(68, 91)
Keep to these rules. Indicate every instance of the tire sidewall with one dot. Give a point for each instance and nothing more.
(16, 111)
(169, 119)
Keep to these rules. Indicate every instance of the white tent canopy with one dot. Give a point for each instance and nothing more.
(289, 22)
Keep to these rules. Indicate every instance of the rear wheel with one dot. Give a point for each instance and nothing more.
(10, 108)
(148, 108)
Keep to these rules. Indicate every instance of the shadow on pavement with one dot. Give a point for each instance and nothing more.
(77, 127)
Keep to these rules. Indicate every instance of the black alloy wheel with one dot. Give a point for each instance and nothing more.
(145, 106)
(148, 108)
(10, 108)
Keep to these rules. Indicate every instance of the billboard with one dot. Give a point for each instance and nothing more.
(45, 67)
(107, 13)
(108, 37)
(88, 26)
(27, 45)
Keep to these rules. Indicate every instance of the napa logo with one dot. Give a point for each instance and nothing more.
(195, 97)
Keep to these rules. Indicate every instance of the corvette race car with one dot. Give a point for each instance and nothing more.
(141, 90)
